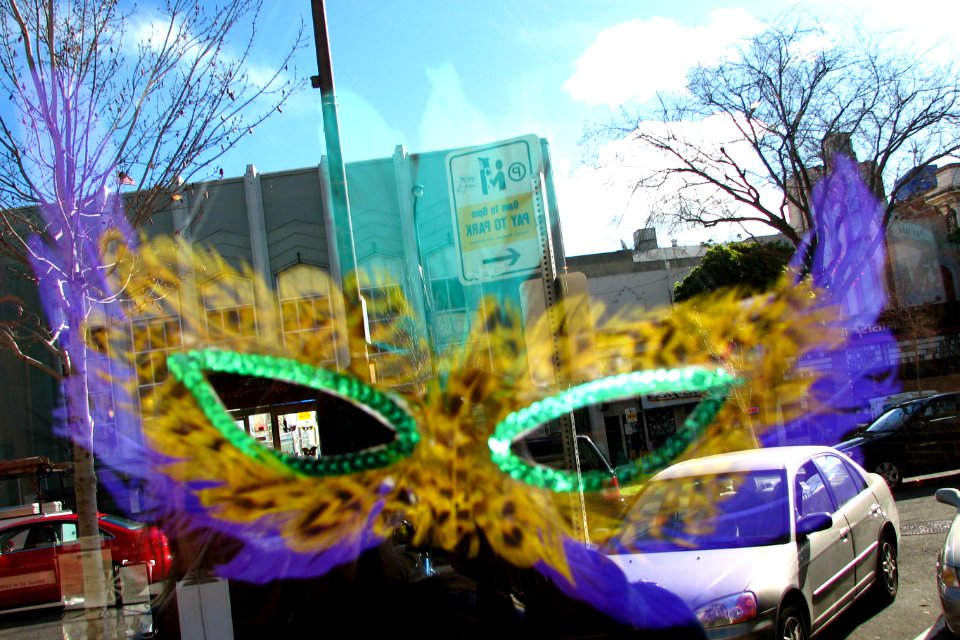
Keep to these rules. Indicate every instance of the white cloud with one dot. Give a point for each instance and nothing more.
(364, 132)
(601, 206)
(589, 210)
(634, 60)
(449, 118)
(924, 25)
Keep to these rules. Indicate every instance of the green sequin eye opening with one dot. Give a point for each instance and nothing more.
(715, 383)
(188, 368)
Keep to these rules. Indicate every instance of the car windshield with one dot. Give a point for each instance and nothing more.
(718, 511)
(893, 419)
(122, 522)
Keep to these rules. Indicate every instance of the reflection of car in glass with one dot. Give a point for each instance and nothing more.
(35, 550)
(912, 438)
(764, 543)
(604, 508)
(948, 565)
(549, 452)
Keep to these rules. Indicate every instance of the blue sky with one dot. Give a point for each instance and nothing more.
(436, 74)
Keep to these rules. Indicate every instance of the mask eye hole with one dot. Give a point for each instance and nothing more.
(715, 383)
(385, 431)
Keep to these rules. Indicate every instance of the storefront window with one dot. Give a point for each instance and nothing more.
(661, 424)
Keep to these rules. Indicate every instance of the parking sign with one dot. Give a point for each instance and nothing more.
(495, 208)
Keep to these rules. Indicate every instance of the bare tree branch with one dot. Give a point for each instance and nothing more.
(88, 102)
(778, 99)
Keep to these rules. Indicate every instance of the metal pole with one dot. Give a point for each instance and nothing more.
(343, 226)
(417, 192)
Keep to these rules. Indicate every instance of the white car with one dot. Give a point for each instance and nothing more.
(948, 565)
(765, 543)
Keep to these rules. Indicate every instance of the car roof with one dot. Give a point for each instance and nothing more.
(40, 517)
(925, 399)
(769, 458)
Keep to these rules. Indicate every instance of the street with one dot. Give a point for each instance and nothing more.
(915, 614)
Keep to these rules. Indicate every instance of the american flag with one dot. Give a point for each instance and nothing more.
(124, 178)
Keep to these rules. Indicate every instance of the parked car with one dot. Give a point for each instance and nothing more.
(948, 565)
(604, 508)
(765, 543)
(548, 451)
(912, 438)
(35, 560)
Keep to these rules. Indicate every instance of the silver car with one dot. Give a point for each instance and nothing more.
(766, 543)
(948, 565)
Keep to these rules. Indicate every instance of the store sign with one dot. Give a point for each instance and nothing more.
(495, 209)
(669, 398)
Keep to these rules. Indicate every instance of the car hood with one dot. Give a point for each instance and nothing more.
(860, 440)
(698, 577)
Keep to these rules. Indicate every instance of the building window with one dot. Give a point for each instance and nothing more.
(386, 305)
(157, 338)
(229, 306)
(306, 313)
(448, 294)
(455, 312)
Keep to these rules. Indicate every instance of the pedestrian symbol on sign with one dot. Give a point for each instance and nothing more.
(497, 182)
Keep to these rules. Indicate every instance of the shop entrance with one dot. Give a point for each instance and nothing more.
(298, 420)
(290, 428)
(613, 425)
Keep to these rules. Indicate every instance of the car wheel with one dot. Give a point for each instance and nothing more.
(889, 472)
(791, 624)
(888, 571)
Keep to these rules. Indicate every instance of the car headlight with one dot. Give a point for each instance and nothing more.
(948, 576)
(733, 609)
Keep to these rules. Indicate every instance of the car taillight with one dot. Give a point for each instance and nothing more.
(157, 554)
(611, 488)
(164, 556)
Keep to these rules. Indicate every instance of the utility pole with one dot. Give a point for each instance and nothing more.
(343, 226)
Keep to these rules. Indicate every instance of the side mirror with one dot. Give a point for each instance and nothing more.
(820, 521)
(949, 496)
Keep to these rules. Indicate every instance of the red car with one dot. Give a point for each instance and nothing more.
(39, 559)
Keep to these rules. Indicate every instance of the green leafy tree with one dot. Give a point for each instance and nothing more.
(752, 266)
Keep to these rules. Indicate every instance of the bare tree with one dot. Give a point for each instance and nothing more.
(98, 99)
(777, 99)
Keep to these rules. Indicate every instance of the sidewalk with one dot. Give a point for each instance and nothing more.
(132, 621)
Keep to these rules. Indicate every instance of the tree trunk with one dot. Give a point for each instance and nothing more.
(80, 424)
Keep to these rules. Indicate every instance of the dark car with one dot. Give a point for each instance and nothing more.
(548, 451)
(912, 438)
(39, 556)
(605, 507)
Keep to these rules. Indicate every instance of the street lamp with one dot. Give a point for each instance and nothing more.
(417, 192)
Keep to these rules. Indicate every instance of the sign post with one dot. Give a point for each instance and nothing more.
(494, 209)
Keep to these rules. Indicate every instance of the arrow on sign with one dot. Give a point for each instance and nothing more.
(512, 255)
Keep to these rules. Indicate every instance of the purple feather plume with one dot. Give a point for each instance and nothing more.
(847, 265)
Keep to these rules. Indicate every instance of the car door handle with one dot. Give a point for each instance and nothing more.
(845, 533)
(876, 510)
